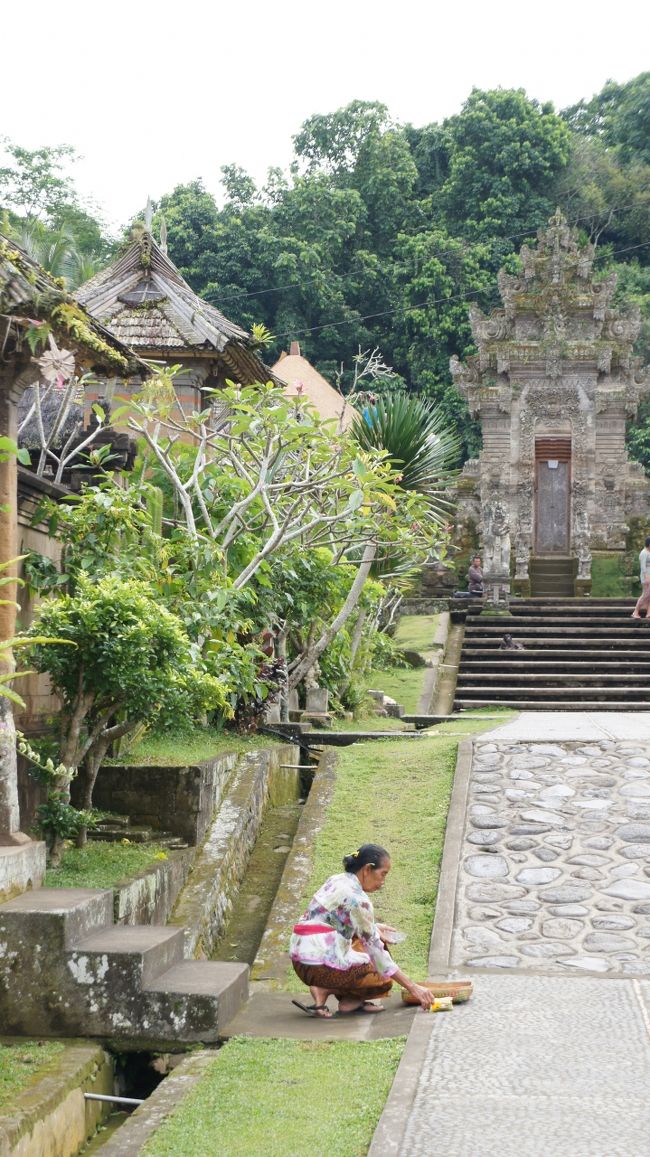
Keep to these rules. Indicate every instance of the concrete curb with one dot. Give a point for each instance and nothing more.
(390, 1131)
(431, 674)
(443, 924)
(389, 1134)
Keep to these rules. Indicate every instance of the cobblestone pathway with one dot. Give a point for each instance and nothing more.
(555, 868)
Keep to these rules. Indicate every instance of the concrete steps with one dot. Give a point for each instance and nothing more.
(579, 655)
(67, 970)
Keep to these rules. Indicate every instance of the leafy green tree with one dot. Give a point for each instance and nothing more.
(130, 661)
(506, 152)
(619, 115)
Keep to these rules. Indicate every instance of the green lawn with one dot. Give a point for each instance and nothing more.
(403, 684)
(21, 1065)
(283, 1098)
(103, 865)
(416, 633)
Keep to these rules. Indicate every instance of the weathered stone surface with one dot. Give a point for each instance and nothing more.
(564, 910)
(566, 894)
(562, 928)
(624, 870)
(586, 874)
(488, 822)
(559, 840)
(520, 844)
(485, 836)
(537, 876)
(529, 829)
(546, 854)
(515, 923)
(483, 913)
(539, 816)
(490, 892)
(588, 963)
(607, 942)
(588, 860)
(613, 923)
(545, 949)
(634, 833)
(482, 937)
(486, 867)
(517, 906)
(599, 842)
(638, 789)
(629, 890)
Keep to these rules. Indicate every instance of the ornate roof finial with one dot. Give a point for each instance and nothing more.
(163, 235)
(148, 215)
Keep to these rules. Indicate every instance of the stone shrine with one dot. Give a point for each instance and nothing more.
(554, 383)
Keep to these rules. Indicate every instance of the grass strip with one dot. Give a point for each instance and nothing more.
(103, 865)
(266, 1096)
(395, 793)
(22, 1064)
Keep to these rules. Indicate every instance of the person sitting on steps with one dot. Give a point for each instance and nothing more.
(475, 577)
(510, 644)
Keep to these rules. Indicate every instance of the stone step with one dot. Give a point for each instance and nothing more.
(56, 917)
(217, 989)
(67, 970)
(505, 692)
(539, 660)
(463, 704)
(144, 950)
(559, 643)
(627, 628)
(556, 678)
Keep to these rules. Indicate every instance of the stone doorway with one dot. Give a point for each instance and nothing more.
(552, 496)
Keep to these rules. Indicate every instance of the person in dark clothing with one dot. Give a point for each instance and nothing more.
(475, 577)
(510, 644)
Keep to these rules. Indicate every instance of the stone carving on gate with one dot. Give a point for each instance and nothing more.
(496, 554)
(557, 352)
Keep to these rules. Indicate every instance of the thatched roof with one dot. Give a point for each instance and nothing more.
(28, 294)
(145, 302)
(301, 378)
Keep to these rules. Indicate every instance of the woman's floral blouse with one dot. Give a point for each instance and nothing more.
(343, 906)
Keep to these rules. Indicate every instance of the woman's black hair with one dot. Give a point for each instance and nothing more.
(368, 855)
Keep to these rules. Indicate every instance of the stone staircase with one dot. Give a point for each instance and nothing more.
(67, 970)
(580, 655)
(552, 576)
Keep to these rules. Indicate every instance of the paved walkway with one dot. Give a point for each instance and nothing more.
(545, 900)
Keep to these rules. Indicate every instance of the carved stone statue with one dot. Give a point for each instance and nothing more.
(496, 554)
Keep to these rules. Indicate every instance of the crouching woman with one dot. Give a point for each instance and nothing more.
(338, 950)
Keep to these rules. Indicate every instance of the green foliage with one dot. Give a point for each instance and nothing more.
(130, 653)
(58, 819)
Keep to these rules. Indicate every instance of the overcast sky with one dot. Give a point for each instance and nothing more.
(152, 95)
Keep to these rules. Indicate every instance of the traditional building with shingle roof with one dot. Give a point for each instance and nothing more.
(145, 302)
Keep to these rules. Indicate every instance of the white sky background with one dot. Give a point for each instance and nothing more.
(152, 95)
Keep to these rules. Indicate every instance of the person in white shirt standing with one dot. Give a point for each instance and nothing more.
(643, 603)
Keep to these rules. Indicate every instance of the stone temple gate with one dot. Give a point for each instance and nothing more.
(554, 383)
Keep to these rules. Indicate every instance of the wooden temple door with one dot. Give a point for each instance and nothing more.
(552, 495)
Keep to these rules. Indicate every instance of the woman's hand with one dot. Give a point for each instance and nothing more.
(423, 995)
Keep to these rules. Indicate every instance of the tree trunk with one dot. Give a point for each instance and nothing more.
(355, 642)
(307, 660)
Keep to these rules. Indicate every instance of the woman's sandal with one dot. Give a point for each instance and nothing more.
(319, 1010)
(365, 1009)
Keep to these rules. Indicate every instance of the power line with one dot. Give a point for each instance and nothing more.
(466, 296)
(242, 295)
